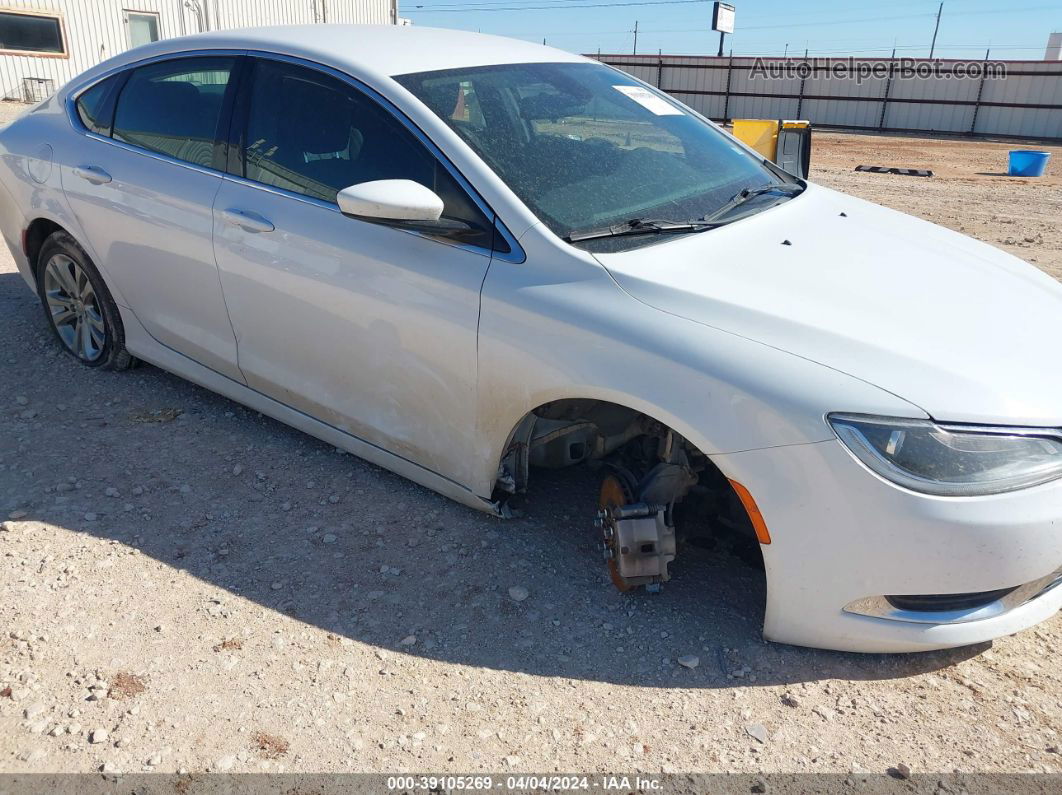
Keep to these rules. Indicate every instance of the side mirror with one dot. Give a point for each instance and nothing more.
(391, 200)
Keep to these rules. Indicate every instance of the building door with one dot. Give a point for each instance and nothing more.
(141, 27)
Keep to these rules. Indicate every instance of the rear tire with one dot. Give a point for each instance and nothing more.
(78, 305)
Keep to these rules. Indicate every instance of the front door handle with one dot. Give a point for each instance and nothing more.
(247, 220)
(93, 174)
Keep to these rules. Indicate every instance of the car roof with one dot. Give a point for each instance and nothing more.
(365, 50)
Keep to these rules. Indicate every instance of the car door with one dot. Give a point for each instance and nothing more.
(369, 328)
(142, 184)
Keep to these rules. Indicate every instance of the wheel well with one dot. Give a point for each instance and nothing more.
(36, 233)
(670, 469)
(573, 431)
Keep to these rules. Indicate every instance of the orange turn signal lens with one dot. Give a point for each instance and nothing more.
(753, 511)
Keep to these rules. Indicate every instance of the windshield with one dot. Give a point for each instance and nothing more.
(585, 146)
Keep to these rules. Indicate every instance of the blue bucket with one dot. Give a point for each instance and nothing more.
(1026, 163)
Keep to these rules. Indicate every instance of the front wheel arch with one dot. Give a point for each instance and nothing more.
(612, 425)
(711, 507)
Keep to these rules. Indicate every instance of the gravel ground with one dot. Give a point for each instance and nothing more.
(186, 585)
(968, 192)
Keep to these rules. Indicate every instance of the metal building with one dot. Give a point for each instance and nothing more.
(44, 43)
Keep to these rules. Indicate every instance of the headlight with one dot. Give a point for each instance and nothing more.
(952, 461)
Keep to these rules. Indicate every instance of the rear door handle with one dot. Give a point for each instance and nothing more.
(93, 174)
(247, 220)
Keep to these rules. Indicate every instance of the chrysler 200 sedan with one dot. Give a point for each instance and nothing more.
(466, 258)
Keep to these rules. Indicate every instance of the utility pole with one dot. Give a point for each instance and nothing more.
(933, 46)
(786, 53)
(635, 38)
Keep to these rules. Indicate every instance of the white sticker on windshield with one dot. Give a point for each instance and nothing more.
(650, 101)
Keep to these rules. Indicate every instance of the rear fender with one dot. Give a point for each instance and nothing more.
(35, 150)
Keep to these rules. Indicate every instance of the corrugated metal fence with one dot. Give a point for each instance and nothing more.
(1026, 103)
(94, 30)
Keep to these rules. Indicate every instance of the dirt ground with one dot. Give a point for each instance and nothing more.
(188, 586)
(968, 192)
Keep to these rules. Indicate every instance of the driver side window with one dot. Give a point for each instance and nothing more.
(312, 134)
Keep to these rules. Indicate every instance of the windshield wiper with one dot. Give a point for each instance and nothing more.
(638, 226)
(744, 195)
(649, 226)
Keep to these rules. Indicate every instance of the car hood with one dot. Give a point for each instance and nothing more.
(963, 330)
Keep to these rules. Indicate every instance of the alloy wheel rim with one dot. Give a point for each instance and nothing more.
(74, 308)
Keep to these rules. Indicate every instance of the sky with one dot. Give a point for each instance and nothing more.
(1017, 29)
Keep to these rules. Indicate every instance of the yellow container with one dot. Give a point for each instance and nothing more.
(760, 134)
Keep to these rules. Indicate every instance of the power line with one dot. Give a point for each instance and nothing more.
(832, 22)
(469, 7)
(806, 20)
(855, 46)
(853, 50)
(424, 6)
(465, 9)
(475, 4)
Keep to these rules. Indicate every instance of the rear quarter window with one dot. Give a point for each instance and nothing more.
(95, 107)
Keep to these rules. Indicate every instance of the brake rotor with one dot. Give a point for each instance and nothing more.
(616, 491)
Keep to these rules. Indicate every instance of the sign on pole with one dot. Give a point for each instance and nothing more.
(723, 17)
(722, 21)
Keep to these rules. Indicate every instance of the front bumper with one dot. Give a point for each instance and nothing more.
(843, 539)
(954, 608)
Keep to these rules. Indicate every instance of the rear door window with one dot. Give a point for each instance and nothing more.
(173, 107)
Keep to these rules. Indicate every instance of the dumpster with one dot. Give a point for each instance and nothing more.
(786, 142)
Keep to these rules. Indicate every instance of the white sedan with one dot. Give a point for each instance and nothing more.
(464, 258)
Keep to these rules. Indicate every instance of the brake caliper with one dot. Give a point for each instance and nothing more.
(638, 538)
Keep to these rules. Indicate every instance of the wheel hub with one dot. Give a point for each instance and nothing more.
(74, 310)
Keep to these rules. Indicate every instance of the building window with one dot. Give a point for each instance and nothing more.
(22, 32)
(143, 28)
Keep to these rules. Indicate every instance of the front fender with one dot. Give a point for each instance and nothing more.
(557, 327)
